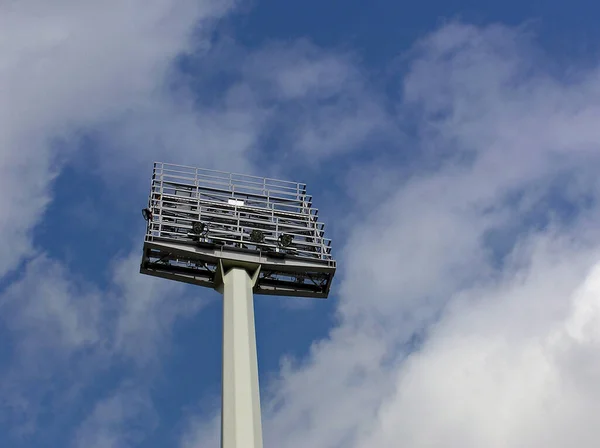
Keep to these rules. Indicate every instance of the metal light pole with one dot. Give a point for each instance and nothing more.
(239, 235)
(240, 401)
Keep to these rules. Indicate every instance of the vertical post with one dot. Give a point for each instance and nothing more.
(240, 405)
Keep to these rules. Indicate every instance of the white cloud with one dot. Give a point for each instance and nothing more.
(327, 102)
(469, 308)
(44, 307)
(148, 310)
(511, 366)
(67, 334)
(199, 432)
(72, 68)
(501, 351)
(67, 66)
(124, 419)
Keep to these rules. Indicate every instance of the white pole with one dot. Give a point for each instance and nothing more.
(240, 406)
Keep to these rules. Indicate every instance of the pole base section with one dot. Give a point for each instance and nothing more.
(240, 413)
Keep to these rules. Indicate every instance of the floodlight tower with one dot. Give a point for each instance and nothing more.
(241, 235)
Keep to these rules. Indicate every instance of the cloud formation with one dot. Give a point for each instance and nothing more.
(69, 336)
(67, 67)
(469, 306)
(99, 87)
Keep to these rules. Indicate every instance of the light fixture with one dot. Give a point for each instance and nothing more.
(147, 214)
(256, 236)
(285, 240)
(199, 228)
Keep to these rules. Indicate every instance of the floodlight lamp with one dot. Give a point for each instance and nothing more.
(285, 240)
(199, 228)
(256, 236)
(147, 214)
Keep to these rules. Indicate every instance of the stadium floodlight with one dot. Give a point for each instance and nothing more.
(147, 214)
(229, 211)
(285, 240)
(199, 228)
(256, 236)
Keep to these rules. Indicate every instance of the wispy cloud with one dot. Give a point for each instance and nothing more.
(469, 302)
(327, 104)
(68, 66)
(76, 71)
(122, 419)
(469, 287)
(68, 335)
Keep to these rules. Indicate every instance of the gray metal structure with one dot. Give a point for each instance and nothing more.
(232, 206)
(239, 235)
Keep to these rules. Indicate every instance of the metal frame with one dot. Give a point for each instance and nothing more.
(232, 206)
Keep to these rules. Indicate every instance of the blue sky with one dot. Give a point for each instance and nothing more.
(451, 147)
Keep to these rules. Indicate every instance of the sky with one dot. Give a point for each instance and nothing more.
(452, 148)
